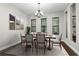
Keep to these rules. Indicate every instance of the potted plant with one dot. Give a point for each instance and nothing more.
(28, 30)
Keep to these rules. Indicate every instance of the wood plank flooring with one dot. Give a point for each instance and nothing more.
(19, 50)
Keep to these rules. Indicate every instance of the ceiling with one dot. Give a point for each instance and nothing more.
(46, 8)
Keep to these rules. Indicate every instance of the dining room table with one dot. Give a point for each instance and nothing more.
(49, 37)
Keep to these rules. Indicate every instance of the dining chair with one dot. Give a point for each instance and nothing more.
(57, 41)
(45, 34)
(40, 40)
(22, 36)
(29, 40)
(39, 32)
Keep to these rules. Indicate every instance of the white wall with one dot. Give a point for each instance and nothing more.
(9, 37)
(68, 40)
(69, 23)
(49, 21)
(77, 22)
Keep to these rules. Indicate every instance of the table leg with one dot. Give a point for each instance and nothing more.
(49, 44)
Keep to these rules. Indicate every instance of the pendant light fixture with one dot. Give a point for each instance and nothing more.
(39, 13)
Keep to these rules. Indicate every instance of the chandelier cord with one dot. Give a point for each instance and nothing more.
(38, 6)
(38, 12)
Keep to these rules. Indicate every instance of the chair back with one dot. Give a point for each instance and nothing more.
(29, 37)
(22, 36)
(39, 32)
(40, 37)
(45, 34)
(32, 33)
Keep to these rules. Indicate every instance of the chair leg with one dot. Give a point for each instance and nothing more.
(52, 44)
(32, 48)
(22, 47)
(44, 48)
(26, 47)
(35, 45)
(37, 49)
(21, 44)
(60, 46)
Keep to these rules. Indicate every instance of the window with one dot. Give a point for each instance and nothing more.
(33, 25)
(73, 21)
(55, 25)
(43, 24)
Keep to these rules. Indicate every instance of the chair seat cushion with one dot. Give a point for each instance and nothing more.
(55, 40)
(47, 39)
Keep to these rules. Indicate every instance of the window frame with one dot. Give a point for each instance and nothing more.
(53, 25)
(32, 25)
(42, 26)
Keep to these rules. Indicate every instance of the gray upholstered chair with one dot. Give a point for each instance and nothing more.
(29, 40)
(57, 41)
(40, 40)
(22, 36)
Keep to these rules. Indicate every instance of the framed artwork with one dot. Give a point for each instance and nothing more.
(11, 22)
(15, 23)
(21, 26)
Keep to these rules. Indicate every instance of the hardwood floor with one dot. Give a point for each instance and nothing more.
(20, 51)
(5, 54)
